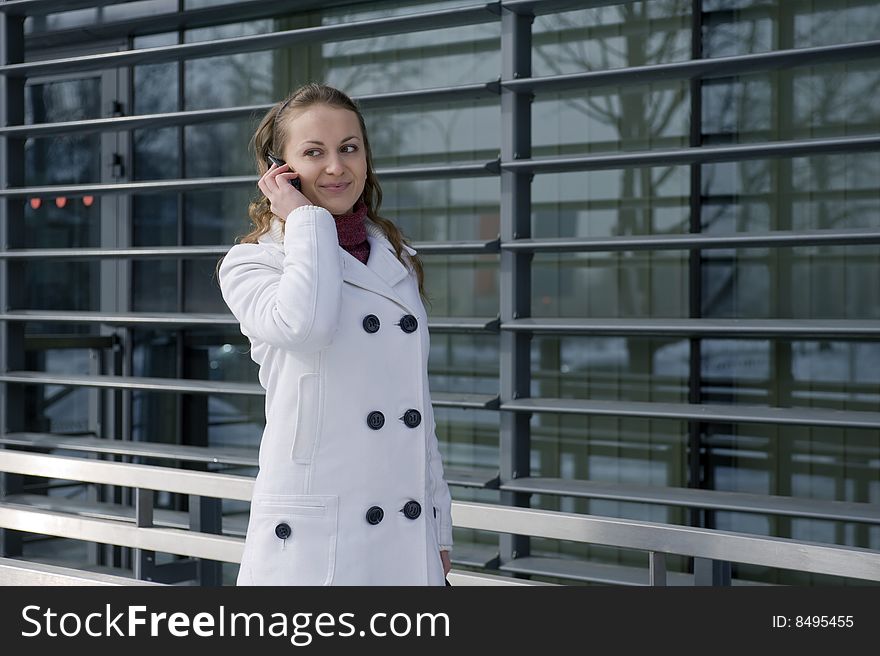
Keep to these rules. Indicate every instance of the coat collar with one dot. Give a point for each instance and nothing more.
(381, 272)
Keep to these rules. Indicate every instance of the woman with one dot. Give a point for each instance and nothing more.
(350, 489)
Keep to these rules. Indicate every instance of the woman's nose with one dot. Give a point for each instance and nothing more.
(334, 164)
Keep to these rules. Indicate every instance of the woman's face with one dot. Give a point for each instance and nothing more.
(325, 146)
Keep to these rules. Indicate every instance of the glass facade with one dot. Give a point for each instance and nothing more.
(694, 238)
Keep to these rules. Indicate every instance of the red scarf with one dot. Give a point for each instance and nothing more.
(352, 231)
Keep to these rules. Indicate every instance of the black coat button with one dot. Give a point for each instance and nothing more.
(408, 323)
(375, 515)
(412, 418)
(283, 531)
(371, 323)
(412, 509)
(375, 420)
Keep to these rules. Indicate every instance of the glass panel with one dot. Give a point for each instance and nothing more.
(456, 209)
(58, 220)
(463, 131)
(607, 203)
(634, 117)
(103, 13)
(613, 36)
(609, 368)
(156, 156)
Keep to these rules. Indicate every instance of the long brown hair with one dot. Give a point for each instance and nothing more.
(270, 137)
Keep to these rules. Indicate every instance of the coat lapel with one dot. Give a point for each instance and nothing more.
(382, 271)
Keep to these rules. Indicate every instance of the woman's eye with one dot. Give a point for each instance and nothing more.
(315, 150)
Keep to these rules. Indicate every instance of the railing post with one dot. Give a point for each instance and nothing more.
(144, 560)
(711, 572)
(206, 516)
(657, 568)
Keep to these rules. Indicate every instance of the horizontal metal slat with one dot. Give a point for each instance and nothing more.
(445, 171)
(139, 252)
(164, 252)
(374, 27)
(223, 455)
(43, 7)
(19, 572)
(478, 247)
(710, 67)
(45, 342)
(151, 477)
(171, 21)
(713, 413)
(707, 328)
(480, 477)
(697, 241)
(438, 399)
(783, 553)
(460, 578)
(475, 555)
(537, 7)
(235, 526)
(186, 319)
(601, 573)
(695, 155)
(143, 121)
(845, 511)
(464, 324)
(580, 570)
(670, 157)
(706, 412)
(201, 116)
(152, 319)
(134, 382)
(20, 517)
(472, 401)
(703, 241)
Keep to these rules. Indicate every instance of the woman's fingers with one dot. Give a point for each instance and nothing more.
(269, 175)
(273, 172)
(270, 184)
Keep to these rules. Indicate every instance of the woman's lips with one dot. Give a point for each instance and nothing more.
(336, 189)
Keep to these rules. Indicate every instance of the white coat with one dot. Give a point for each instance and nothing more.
(338, 342)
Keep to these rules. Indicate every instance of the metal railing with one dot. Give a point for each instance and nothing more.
(657, 539)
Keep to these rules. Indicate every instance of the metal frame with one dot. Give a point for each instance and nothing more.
(11, 235)
(515, 89)
(515, 267)
(712, 550)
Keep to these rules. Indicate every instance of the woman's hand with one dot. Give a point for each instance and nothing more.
(283, 196)
(447, 563)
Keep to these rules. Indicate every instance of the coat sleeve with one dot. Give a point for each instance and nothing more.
(442, 499)
(293, 303)
(439, 488)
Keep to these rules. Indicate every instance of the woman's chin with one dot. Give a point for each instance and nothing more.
(339, 205)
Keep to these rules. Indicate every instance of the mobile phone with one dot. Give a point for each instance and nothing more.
(280, 162)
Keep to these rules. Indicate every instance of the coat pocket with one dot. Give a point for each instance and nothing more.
(307, 414)
(292, 539)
